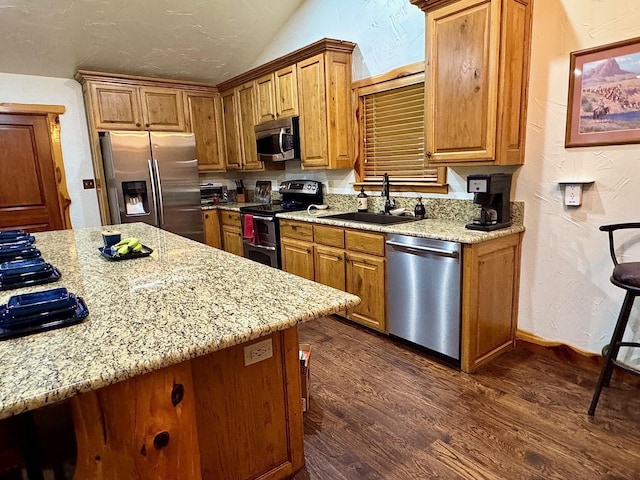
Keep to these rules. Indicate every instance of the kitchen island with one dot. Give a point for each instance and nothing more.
(159, 378)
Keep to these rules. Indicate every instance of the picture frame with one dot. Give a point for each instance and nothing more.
(603, 107)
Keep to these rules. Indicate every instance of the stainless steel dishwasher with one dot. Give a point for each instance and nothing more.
(423, 292)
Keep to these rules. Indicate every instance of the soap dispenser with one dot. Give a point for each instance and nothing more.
(362, 201)
(419, 211)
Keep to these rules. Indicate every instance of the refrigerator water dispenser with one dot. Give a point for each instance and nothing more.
(135, 197)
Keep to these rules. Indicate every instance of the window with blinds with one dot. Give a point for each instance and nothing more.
(393, 135)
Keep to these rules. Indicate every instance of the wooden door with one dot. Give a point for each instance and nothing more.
(247, 116)
(366, 279)
(211, 222)
(29, 197)
(330, 267)
(461, 81)
(297, 258)
(313, 112)
(265, 98)
(162, 109)
(232, 240)
(115, 107)
(286, 92)
(231, 129)
(203, 112)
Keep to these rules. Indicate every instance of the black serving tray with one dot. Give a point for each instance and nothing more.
(13, 236)
(21, 250)
(81, 312)
(29, 279)
(110, 255)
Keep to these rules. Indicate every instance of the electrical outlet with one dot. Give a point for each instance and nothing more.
(573, 195)
(257, 352)
(88, 183)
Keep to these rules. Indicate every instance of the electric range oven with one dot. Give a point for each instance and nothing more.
(260, 227)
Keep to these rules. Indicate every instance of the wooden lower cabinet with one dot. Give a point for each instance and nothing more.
(365, 275)
(297, 258)
(210, 417)
(232, 240)
(330, 267)
(211, 221)
(490, 287)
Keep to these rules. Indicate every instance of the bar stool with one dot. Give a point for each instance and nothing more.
(626, 276)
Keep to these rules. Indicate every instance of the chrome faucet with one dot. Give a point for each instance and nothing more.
(386, 192)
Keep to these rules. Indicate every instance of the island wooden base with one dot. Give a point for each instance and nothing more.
(208, 418)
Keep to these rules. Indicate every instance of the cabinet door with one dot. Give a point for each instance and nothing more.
(297, 258)
(461, 81)
(313, 112)
(247, 117)
(203, 120)
(115, 107)
(489, 315)
(330, 267)
(232, 239)
(231, 129)
(265, 98)
(366, 279)
(162, 109)
(211, 221)
(286, 92)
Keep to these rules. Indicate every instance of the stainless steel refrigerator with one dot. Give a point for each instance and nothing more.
(152, 177)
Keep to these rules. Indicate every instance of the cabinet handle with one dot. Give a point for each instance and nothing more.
(206, 216)
(476, 73)
(428, 154)
(146, 125)
(137, 124)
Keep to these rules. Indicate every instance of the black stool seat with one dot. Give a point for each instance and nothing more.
(627, 276)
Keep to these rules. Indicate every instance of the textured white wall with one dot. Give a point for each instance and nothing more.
(74, 135)
(565, 292)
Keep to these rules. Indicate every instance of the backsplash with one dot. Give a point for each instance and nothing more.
(438, 208)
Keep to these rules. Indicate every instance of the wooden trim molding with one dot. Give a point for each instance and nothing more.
(427, 5)
(321, 46)
(83, 76)
(52, 112)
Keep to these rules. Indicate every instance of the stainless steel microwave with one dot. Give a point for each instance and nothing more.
(278, 140)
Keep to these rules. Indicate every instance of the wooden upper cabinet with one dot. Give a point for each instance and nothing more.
(277, 94)
(126, 107)
(116, 107)
(231, 130)
(247, 120)
(324, 93)
(266, 98)
(286, 91)
(203, 119)
(162, 109)
(476, 78)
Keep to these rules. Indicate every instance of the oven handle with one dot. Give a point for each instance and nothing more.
(267, 219)
(262, 247)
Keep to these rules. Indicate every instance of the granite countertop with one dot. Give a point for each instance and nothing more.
(183, 301)
(452, 230)
(233, 206)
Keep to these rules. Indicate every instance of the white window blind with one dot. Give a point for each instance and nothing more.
(393, 135)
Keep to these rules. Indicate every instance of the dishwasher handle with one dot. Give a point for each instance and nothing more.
(432, 250)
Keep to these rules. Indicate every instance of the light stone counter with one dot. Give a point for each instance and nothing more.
(452, 230)
(184, 301)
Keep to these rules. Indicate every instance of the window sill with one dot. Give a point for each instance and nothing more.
(417, 187)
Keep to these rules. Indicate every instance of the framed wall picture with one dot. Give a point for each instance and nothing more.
(604, 95)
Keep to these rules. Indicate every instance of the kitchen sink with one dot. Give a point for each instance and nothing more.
(376, 218)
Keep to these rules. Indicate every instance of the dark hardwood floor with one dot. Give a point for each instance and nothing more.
(382, 410)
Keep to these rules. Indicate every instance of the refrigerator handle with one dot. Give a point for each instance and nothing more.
(160, 204)
(153, 193)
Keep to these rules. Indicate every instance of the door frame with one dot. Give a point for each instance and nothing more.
(52, 112)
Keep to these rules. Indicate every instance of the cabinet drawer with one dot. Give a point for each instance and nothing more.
(299, 230)
(230, 218)
(331, 236)
(366, 242)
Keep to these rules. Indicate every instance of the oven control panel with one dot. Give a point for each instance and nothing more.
(308, 187)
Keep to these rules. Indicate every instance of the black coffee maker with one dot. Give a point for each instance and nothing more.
(493, 193)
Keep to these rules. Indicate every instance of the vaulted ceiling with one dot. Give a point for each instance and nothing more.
(198, 40)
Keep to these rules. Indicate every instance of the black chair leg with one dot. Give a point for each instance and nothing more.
(612, 351)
